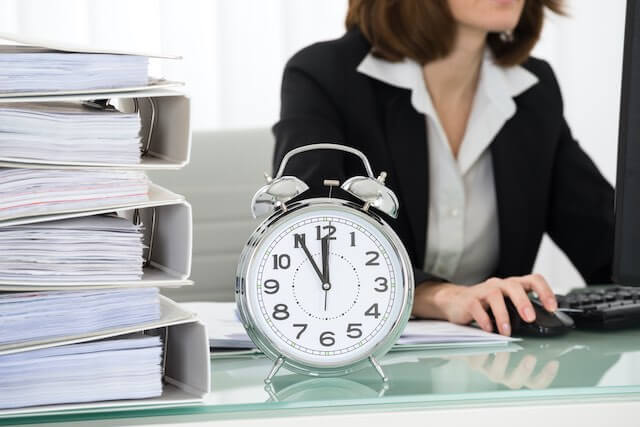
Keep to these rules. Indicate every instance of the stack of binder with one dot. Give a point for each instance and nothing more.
(86, 240)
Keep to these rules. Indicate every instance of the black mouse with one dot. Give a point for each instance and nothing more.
(546, 324)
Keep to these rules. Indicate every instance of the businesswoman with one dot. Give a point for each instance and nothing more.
(443, 95)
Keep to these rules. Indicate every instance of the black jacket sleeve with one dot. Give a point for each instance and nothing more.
(308, 116)
(581, 209)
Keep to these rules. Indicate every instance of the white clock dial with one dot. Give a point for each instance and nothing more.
(326, 286)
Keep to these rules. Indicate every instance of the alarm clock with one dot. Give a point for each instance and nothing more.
(324, 285)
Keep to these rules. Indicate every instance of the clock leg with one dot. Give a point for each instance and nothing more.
(378, 369)
(271, 392)
(274, 370)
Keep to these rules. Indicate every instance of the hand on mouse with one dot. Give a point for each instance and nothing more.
(464, 304)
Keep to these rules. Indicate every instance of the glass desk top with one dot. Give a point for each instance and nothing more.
(572, 368)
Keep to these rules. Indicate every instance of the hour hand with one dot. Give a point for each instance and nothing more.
(313, 263)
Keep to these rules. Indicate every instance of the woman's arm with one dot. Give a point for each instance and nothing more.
(581, 212)
(463, 304)
(581, 209)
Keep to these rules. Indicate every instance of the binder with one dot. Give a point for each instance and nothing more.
(187, 368)
(166, 128)
(167, 234)
(158, 196)
(167, 217)
(31, 44)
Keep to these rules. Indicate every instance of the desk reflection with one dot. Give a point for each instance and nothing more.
(577, 360)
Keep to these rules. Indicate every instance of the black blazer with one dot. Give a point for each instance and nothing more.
(544, 181)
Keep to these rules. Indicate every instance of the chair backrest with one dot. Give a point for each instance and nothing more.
(226, 169)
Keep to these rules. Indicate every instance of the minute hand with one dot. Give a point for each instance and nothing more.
(325, 260)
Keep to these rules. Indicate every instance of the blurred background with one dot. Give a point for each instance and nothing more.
(234, 52)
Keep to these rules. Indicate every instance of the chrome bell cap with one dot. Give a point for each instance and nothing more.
(374, 193)
(276, 193)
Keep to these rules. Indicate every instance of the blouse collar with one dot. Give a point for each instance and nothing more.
(493, 103)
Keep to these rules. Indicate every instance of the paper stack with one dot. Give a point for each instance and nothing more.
(27, 192)
(69, 132)
(29, 68)
(86, 239)
(79, 250)
(37, 316)
(126, 368)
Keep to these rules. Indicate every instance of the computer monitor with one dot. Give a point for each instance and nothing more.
(626, 264)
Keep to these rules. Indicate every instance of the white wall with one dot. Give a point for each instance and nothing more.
(234, 52)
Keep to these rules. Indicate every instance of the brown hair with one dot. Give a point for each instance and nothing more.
(424, 30)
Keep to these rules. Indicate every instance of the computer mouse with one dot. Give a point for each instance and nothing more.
(546, 324)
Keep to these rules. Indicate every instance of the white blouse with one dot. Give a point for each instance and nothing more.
(462, 232)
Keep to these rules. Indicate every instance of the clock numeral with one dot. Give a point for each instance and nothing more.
(353, 239)
(329, 235)
(382, 284)
(281, 261)
(373, 311)
(327, 339)
(280, 312)
(374, 258)
(299, 240)
(303, 327)
(271, 286)
(354, 331)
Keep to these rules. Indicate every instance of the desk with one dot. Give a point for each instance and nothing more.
(580, 379)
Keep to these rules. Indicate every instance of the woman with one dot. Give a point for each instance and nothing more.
(442, 94)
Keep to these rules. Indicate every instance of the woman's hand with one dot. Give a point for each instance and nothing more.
(463, 304)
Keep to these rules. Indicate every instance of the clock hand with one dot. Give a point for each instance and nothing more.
(325, 260)
(326, 284)
(313, 263)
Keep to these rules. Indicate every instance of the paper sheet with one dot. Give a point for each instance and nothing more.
(34, 316)
(84, 249)
(24, 69)
(68, 132)
(27, 192)
(122, 368)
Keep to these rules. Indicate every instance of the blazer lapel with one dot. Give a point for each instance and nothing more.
(407, 142)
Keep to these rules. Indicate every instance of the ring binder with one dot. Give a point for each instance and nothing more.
(167, 256)
(152, 104)
(137, 221)
(105, 104)
(163, 333)
(165, 131)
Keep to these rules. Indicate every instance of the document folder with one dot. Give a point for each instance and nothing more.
(166, 129)
(158, 196)
(168, 236)
(186, 363)
(33, 44)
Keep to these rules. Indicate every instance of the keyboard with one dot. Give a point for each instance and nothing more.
(613, 307)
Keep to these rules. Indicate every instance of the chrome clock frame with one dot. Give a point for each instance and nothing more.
(247, 258)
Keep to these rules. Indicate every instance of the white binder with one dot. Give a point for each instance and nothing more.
(166, 129)
(168, 235)
(187, 376)
(158, 196)
(30, 44)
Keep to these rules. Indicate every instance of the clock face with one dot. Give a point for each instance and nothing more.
(326, 286)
